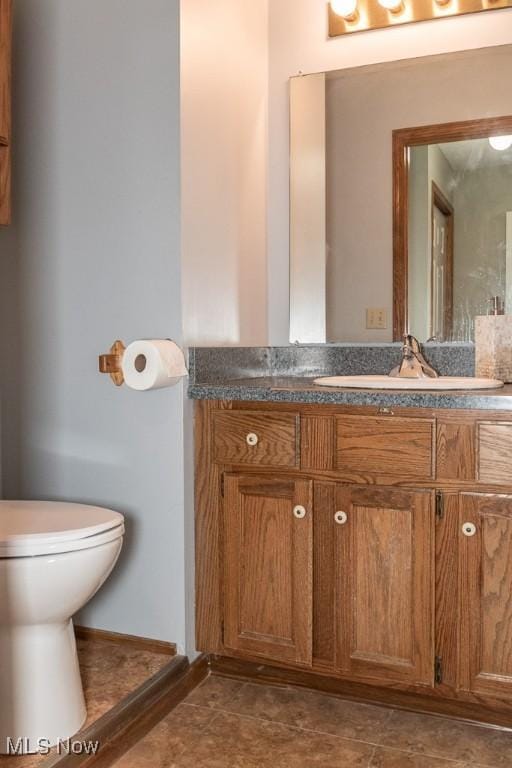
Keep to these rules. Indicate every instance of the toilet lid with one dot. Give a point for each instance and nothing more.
(37, 527)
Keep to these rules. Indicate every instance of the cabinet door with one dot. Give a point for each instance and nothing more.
(485, 567)
(385, 583)
(268, 563)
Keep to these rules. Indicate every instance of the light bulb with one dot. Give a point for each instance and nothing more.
(395, 6)
(501, 143)
(345, 8)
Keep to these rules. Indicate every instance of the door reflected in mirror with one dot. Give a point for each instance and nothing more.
(459, 236)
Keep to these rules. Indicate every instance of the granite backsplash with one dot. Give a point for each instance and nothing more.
(219, 364)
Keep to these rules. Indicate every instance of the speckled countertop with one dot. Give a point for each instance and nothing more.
(293, 389)
(286, 375)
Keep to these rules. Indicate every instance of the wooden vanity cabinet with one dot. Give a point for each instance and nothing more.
(485, 556)
(362, 546)
(5, 110)
(384, 584)
(382, 447)
(268, 567)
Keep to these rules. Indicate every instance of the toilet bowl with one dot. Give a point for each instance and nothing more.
(54, 557)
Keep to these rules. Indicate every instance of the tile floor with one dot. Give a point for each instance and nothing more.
(110, 671)
(230, 724)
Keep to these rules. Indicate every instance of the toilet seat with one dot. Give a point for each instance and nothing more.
(31, 528)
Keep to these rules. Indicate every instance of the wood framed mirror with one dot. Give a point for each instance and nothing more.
(431, 282)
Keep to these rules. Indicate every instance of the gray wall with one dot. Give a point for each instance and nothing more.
(94, 255)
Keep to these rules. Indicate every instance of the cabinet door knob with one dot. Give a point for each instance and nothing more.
(340, 518)
(252, 439)
(469, 529)
(300, 512)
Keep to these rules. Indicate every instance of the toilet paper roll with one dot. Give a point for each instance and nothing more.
(153, 364)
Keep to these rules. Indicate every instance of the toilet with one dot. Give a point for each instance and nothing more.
(54, 556)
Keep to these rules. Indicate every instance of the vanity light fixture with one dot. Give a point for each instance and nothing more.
(347, 9)
(500, 143)
(349, 16)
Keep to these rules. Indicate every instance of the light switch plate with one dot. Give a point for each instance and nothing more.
(376, 319)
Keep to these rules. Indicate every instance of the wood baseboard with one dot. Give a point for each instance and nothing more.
(142, 643)
(496, 714)
(130, 720)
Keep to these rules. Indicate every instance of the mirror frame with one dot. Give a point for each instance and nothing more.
(403, 140)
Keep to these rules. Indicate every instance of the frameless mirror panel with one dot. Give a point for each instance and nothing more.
(343, 235)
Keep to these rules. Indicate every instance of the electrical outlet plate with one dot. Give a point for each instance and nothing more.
(376, 319)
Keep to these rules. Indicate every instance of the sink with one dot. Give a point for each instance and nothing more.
(443, 383)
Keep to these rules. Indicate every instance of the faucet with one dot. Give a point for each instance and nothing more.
(413, 365)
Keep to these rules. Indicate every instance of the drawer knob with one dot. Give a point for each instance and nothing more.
(300, 512)
(469, 529)
(340, 518)
(252, 439)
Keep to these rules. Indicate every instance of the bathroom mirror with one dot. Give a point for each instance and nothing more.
(401, 198)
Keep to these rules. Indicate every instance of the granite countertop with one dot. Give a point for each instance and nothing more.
(294, 389)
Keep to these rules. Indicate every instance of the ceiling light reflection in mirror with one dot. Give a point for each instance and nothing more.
(500, 143)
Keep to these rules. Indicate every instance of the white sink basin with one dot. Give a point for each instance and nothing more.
(443, 383)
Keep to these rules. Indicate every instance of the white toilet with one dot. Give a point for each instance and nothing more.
(54, 556)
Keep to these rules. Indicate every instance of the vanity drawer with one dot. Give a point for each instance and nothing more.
(256, 438)
(494, 452)
(392, 447)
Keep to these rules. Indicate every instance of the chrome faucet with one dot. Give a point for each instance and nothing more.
(413, 365)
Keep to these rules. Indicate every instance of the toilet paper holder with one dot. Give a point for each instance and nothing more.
(111, 362)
